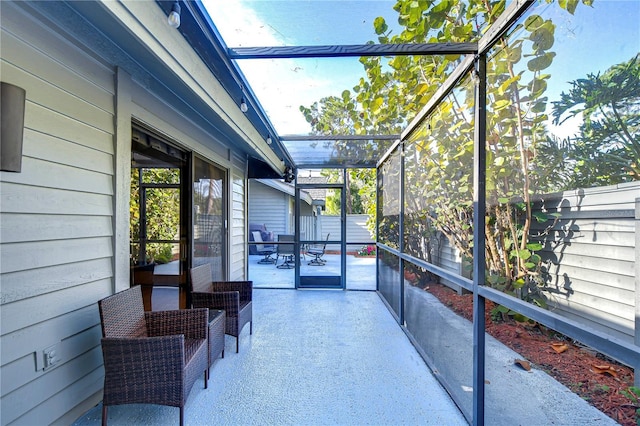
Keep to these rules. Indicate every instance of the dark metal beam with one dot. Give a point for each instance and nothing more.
(329, 165)
(439, 95)
(337, 51)
(479, 241)
(512, 13)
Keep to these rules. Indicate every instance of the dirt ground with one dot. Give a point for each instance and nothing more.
(594, 377)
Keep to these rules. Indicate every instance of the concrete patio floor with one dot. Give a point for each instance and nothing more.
(316, 357)
(360, 272)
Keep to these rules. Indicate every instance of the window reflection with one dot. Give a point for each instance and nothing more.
(208, 220)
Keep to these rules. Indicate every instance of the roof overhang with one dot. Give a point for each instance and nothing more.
(135, 37)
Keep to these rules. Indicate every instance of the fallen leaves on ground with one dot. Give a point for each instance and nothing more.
(604, 369)
(559, 347)
(524, 364)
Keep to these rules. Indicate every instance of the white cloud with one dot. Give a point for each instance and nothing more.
(281, 85)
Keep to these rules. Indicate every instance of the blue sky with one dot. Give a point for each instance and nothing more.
(304, 22)
(588, 42)
(283, 85)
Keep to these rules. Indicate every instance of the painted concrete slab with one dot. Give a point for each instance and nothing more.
(316, 357)
(360, 272)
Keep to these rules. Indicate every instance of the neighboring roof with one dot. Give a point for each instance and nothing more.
(318, 194)
(287, 188)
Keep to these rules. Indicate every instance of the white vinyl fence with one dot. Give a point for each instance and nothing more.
(589, 256)
(357, 231)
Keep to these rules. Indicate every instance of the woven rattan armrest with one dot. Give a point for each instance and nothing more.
(226, 300)
(245, 288)
(192, 323)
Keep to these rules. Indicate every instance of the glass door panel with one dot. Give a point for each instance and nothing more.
(208, 218)
(271, 237)
(157, 222)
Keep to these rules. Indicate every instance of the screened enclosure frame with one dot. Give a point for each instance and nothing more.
(475, 66)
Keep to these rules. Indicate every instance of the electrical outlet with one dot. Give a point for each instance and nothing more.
(48, 357)
(51, 356)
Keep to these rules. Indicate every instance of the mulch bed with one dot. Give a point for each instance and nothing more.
(579, 368)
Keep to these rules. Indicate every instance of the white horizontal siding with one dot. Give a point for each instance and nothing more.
(55, 150)
(56, 244)
(53, 278)
(21, 371)
(30, 255)
(612, 198)
(55, 406)
(357, 229)
(18, 198)
(604, 323)
(54, 98)
(39, 391)
(31, 227)
(48, 122)
(50, 305)
(448, 258)
(330, 225)
(269, 207)
(46, 174)
(588, 240)
(50, 50)
(238, 218)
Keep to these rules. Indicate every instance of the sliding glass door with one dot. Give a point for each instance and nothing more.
(209, 230)
(158, 221)
(178, 220)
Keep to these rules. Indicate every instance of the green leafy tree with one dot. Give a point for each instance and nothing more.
(607, 149)
(515, 117)
(394, 90)
(162, 212)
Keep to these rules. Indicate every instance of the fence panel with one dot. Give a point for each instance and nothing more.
(589, 256)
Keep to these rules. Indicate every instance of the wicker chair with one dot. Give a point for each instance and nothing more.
(150, 357)
(235, 297)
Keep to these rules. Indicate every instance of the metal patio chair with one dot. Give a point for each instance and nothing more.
(286, 251)
(318, 252)
(150, 357)
(234, 297)
(264, 250)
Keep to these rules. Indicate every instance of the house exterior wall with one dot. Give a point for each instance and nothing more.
(238, 251)
(268, 206)
(64, 240)
(448, 257)
(57, 215)
(276, 210)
